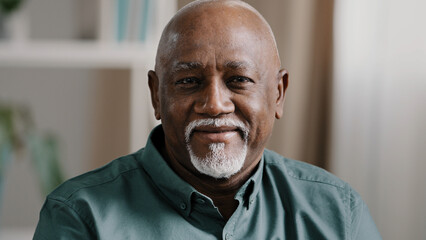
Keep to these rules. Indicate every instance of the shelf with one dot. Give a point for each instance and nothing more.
(75, 54)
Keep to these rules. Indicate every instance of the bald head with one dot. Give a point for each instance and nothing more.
(207, 21)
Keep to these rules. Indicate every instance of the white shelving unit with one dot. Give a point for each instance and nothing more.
(102, 53)
(74, 54)
(94, 55)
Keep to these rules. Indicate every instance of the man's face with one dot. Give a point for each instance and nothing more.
(217, 96)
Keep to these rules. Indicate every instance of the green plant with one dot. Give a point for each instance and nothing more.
(18, 136)
(8, 6)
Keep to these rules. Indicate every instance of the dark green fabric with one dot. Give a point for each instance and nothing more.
(140, 197)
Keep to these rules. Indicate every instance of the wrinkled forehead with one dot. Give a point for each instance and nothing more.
(215, 49)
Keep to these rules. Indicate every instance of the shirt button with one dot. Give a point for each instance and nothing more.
(183, 206)
(228, 236)
(251, 202)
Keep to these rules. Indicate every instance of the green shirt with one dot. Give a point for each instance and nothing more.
(140, 197)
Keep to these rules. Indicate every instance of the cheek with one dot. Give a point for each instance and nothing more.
(259, 108)
(259, 111)
(175, 112)
(171, 107)
(169, 104)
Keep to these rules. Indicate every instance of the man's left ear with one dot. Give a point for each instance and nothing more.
(281, 89)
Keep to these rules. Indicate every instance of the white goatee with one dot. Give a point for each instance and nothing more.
(218, 163)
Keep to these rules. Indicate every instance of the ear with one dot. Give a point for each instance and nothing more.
(281, 89)
(154, 84)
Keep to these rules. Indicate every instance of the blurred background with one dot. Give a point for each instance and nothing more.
(74, 96)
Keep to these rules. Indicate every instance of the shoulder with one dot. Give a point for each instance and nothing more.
(298, 171)
(105, 176)
(304, 186)
(311, 194)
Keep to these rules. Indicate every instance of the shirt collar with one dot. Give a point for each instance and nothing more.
(248, 192)
(177, 191)
(174, 189)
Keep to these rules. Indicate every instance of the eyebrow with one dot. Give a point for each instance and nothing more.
(234, 65)
(242, 66)
(185, 66)
(238, 65)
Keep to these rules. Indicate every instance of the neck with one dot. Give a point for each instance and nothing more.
(221, 191)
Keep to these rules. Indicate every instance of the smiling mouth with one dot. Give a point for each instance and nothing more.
(214, 136)
(215, 130)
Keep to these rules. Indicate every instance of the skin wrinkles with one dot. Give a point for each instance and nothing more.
(185, 66)
(217, 59)
(234, 65)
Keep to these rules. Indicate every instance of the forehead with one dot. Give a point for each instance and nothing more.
(235, 46)
(215, 23)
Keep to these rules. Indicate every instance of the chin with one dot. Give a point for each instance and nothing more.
(219, 162)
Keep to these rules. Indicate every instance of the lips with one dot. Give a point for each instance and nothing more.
(212, 130)
(211, 134)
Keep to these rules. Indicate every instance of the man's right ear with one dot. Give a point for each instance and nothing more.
(154, 84)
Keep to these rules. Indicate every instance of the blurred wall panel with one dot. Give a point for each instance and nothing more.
(111, 128)
(379, 130)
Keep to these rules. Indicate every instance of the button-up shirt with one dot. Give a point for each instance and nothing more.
(140, 197)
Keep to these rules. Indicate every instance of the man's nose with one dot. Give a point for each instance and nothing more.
(214, 100)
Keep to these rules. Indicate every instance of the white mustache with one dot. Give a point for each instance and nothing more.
(216, 122)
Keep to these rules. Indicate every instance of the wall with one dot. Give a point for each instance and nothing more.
(379, 130)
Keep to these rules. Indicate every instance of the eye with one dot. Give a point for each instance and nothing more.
(187, 82)
(239, 81)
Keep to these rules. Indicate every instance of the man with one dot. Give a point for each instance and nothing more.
(204, 173)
